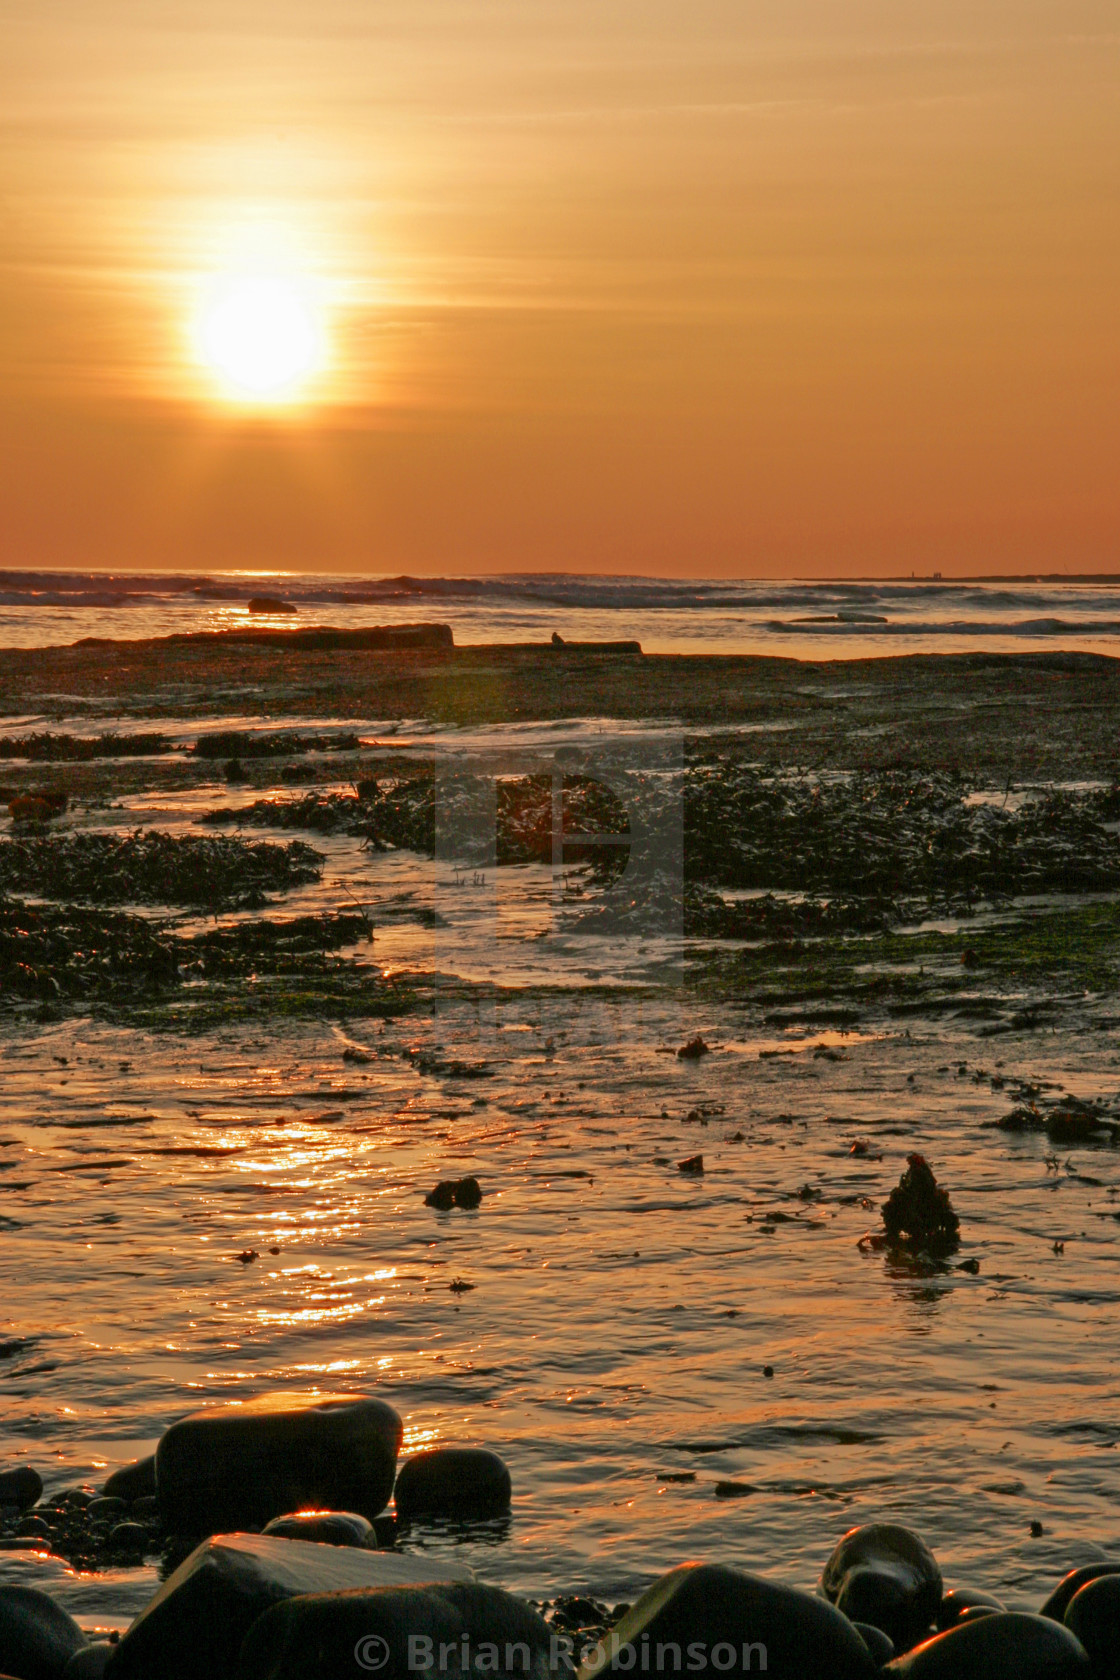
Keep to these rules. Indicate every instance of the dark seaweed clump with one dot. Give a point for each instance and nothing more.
(153, 868)
(918, 1214)
(258, 743)
(56, 954)
(78, 749)
(399, 811)
(890, 834)
(48, 952)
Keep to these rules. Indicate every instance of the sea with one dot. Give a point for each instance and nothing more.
(801, 619)
(673, 1364)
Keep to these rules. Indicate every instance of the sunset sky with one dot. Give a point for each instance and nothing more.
(710, 287)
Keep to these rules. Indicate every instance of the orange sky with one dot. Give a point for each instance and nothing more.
(704, 287)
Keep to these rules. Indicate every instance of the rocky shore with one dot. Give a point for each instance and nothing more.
(278, 1561)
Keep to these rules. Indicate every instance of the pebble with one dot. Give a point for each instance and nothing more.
(453, 1482)
(21, 1486)
(325, 1528)
(132, 1481)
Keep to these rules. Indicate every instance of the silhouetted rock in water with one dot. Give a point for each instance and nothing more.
(885, 1575)
(132, 1481)
(236, 1467)
(330, 1634)
(693, 1164)
(454, 1192)
(194, 1626)
(453, 1482)
(557, 639)
(21, 1486)
(234, 771)
(37, 1637)
(918, 1214)
(1005, 1646)
(269, 604)
(90, 1662)
(759, 1624)
(958, 1600)
(877, 1642)
(1093, 1616)
(695, 1048)
(325, 1528)
(1059, 1600)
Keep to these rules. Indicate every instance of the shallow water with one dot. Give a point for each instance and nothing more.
(621, 1313)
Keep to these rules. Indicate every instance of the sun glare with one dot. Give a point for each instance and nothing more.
(261, 336)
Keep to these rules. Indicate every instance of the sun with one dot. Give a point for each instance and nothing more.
(261, 336)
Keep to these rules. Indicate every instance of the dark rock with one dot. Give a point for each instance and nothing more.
(132, 1481)
(91, 1662)
(918, 1213)
(803, 1638)
(1093, 1615)
(21, 1486)
(325, 1528)
(877, 1642)
(269, 604)
(106, 1506)
(557, 639)
(887, 1576)
(239, 1466)
(37, 1637)
(957, 1600)
(453, 1482)
(1004, 1646)
(33, 1525)
(454, 1192)
(147, 1508)
(193, 1627)
(132, 1538)
(1058, 1602)
(234, 770)
(327, 1634)
(692, 1164)
(694, 1049)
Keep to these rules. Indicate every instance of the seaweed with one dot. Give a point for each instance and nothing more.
(259, 743)
(45, 747)
(149, 867)
(918, 1213)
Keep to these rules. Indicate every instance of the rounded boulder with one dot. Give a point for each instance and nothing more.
(1003, 1646)
(885, 1575)
(37, 1637)
(325, 1528)
(453, 1482)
